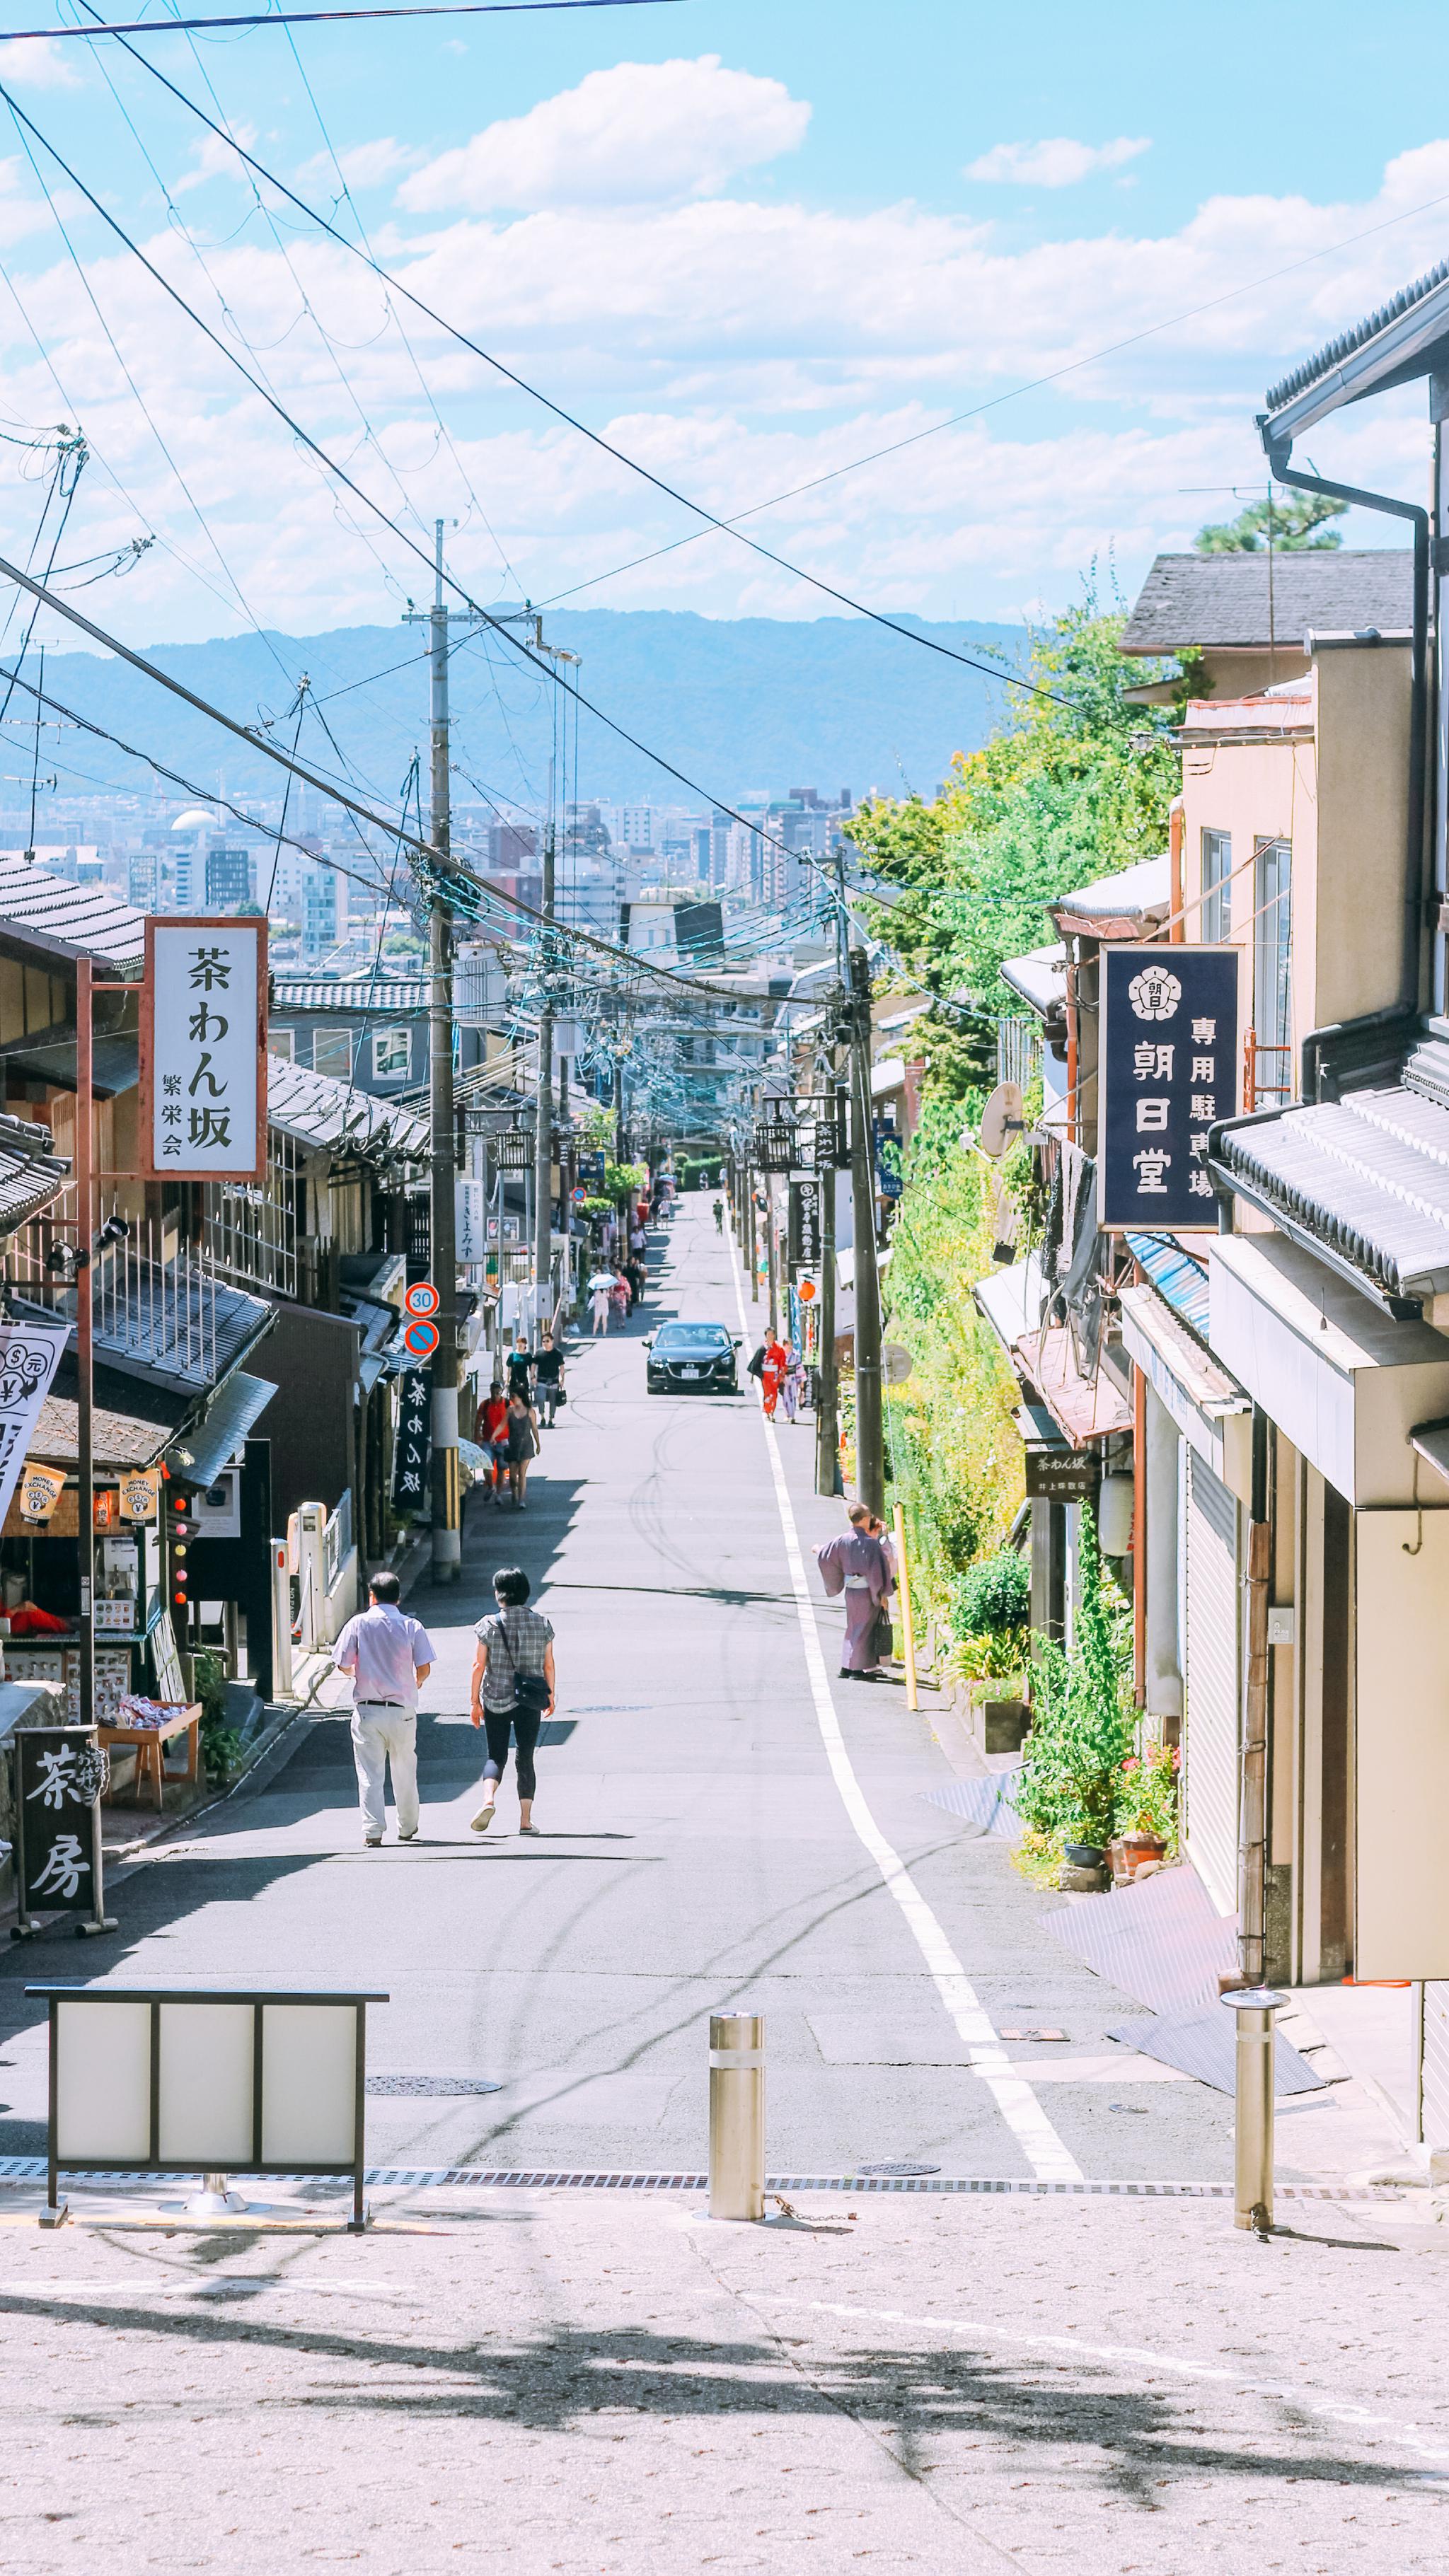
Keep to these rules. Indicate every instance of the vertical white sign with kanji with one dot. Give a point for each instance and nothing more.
(204, 1049)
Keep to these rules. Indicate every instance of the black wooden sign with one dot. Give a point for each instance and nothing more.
(1062, 1475)
(60, 1770)
(411, 1449)
(804, 1235)
(775, 1145)
(1169, 1071)
(821, 1139)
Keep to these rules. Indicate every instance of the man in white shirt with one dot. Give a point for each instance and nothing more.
(387, 1654)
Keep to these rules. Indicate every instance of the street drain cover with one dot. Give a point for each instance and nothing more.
(431, 2084)
(899, 2172)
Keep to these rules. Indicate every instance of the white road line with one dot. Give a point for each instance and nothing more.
(1048, 2157)
(1138, 2359)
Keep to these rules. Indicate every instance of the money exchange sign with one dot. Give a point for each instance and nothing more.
(29, 1357)
(1168, 1073)
(204, 1040)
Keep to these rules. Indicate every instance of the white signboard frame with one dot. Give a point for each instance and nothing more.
(204, 1049)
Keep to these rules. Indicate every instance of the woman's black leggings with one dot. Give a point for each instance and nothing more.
(524, 1724)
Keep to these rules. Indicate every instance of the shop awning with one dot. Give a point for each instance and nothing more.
(1364, 1180)
(203, 1448)
(1087, 1408)
(50, 1057)
(1344, 1381)
(1011, 1300)
(1179, 1276)
(1208, 1406)
(1038, 978)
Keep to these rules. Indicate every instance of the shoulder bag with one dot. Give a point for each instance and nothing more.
(531, 1692)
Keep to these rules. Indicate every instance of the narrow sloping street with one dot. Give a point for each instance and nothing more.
(697, 1852)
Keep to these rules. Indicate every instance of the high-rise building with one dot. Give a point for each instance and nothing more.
(229, 885)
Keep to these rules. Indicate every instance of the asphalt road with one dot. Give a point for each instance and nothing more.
(697, 1852)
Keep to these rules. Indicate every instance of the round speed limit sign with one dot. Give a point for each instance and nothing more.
(421, 1299)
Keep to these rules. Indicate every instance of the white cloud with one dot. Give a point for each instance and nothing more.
(363, 165)
(213, 158)
(42, 64)
(1056, 163)
(639, 132)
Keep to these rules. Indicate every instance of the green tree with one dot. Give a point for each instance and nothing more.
(1075, 783)
(1293, 523)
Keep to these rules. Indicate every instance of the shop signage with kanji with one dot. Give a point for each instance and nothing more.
(60, 1773)
(411, 1448)
(804, 1237)
(204, 1049)
(821, 1141)
(1168, 1071)
(1062, 1475)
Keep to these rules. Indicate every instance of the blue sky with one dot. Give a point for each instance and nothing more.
(750, 244)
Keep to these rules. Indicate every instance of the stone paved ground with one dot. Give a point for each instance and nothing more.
(576, 2382)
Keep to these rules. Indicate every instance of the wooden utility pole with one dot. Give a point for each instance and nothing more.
(827, 1376)
(543, 1107)
(869, 1429)
(85, 1359)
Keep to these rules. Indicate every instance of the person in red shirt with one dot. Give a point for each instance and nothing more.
(776, 1361)
(490, 1430)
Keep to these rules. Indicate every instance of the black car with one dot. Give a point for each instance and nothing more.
(685, 1359)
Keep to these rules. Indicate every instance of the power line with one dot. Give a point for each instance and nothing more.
(322, 18)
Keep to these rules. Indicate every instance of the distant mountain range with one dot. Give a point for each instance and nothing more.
(738, 704)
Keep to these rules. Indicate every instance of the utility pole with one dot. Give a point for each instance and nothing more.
(827, 1377)
(543, 1104)
(869, 1432)
(443, 1153)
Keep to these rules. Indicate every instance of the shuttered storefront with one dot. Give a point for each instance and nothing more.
(1210, 1714)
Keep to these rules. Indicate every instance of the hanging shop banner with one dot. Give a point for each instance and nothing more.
(591, 1168)
(804, 1238)
(1168, 1072)
(61, 1773)
(889, 1168)
(470, 1217)
(29, 1357)
(140, 1493)
(40, 1490)
(413, 1443)
(204, 1049)
(1062, 1475)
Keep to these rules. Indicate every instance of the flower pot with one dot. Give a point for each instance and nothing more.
(1084, 1855)
(1000, 1715)
(1130, 1852)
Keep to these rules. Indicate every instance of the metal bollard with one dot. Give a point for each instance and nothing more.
(737, 2115)
(1253, 2138)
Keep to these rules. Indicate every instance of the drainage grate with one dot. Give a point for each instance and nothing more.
(431, 2084)
(897, 2172)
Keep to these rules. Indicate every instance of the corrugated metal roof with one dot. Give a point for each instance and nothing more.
(318, 1110)
(356, 993)
(1206, 600)
(203, 1448)
(1323, 361)
(115, 1061)
(31, 1172)
(1175, 1275)
(1367, 1175)
(87, 920)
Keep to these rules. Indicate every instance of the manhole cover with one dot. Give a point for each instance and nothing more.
(899, 2171)
(431, 2084)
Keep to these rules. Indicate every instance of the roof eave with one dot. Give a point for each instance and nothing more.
(1405, 348)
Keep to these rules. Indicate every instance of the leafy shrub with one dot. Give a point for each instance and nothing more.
(993, 1594)
(1147, 1794)
(1072, 1783)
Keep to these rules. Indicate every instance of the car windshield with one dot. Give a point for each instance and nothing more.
(692, 1337)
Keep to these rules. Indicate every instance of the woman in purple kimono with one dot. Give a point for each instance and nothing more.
(856, 1565)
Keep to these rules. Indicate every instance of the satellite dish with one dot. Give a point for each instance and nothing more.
(896, 1363)
(1002, 1120)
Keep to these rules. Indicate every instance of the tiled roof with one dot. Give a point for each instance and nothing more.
(318, 1110)
(119, 1439)
(88, 920)
(31, 1172)
(1367, 1176)
(1190, 601)
(358, 993)
(1323, 361)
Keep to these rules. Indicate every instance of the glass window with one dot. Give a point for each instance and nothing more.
(1273, 948)
(332, 1052)
(1217, 891)
(391, 1054)
(282, 1042)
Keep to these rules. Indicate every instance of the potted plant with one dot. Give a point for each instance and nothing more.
(1146, 1811)
(1082, 1724)
(990, 1606)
